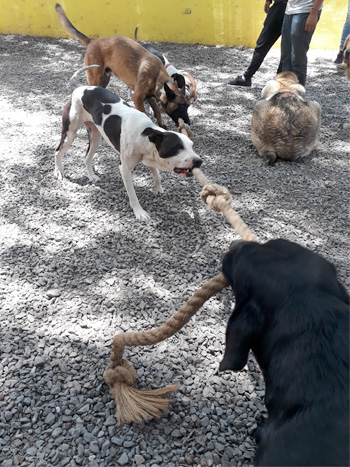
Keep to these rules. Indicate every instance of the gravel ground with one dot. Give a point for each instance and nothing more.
(77, 268)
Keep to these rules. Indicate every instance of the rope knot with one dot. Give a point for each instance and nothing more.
(124, 373)
(217, 197)
(184, 128)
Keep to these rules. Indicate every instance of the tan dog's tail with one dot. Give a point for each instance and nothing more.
(72, 82)
(68, 26)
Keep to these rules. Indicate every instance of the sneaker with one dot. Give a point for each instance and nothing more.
(339, 58)
(241, 81)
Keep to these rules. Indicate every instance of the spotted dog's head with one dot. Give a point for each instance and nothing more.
(191, 88)
(174, 151)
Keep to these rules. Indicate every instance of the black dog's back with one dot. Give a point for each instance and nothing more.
(150, 48)
(294, 315)
(154, 51)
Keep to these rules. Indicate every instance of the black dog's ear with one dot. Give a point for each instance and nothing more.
(180, 80)
(242, 330)
(169, 93)
(155, 136)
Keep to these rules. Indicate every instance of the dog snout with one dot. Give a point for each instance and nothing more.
(196, 163)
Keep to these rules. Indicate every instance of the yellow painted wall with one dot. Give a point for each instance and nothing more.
(211, 22)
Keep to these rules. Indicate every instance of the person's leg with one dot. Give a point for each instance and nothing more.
(268, 36)
(346, 29)
(344, 35)
(286, 44)
(300, 45)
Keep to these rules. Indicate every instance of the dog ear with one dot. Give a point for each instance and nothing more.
(242, 331)
(169, 93)
(180, 80)
(155, 136)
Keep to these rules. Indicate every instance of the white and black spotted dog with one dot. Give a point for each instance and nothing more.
(126, 130)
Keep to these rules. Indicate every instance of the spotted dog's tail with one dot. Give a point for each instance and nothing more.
(72, 82)
(68, 26)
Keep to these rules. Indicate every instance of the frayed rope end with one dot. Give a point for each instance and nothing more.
(132, 404)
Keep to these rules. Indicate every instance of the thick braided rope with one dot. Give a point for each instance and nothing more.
(184, 128)
(134, 405)
(219, 199)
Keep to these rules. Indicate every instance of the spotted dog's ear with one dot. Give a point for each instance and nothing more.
(180, 80)
(155, 136)
(242, 330)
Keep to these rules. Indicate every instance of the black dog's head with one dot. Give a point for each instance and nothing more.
(270, 283)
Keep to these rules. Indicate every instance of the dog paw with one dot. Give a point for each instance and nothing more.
(59, 174)
(94, 178)
(141, 214)
(158, 189)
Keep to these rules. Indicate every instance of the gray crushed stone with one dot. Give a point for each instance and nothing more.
(77, 268)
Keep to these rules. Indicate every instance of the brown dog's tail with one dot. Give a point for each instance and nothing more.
(72, 82)
(68, 26)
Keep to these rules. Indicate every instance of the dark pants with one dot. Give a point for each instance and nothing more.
(268, 36)
(295, 45)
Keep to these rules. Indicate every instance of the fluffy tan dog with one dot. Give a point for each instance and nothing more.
(284, 125)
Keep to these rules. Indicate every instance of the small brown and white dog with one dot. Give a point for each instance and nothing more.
(126, 130)
(179, 93)
(284, 125)
(182, 78)
(139, 69)
(346, 57)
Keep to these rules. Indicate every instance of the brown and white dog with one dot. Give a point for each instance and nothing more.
(126, 130)
(140, 70)
(178, 94)
(346, 57)
(284, 125)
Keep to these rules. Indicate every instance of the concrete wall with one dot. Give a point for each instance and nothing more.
(211, 22)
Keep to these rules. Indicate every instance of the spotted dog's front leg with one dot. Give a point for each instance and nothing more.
(126, 173)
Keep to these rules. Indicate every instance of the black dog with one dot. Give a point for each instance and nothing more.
(294, 315)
